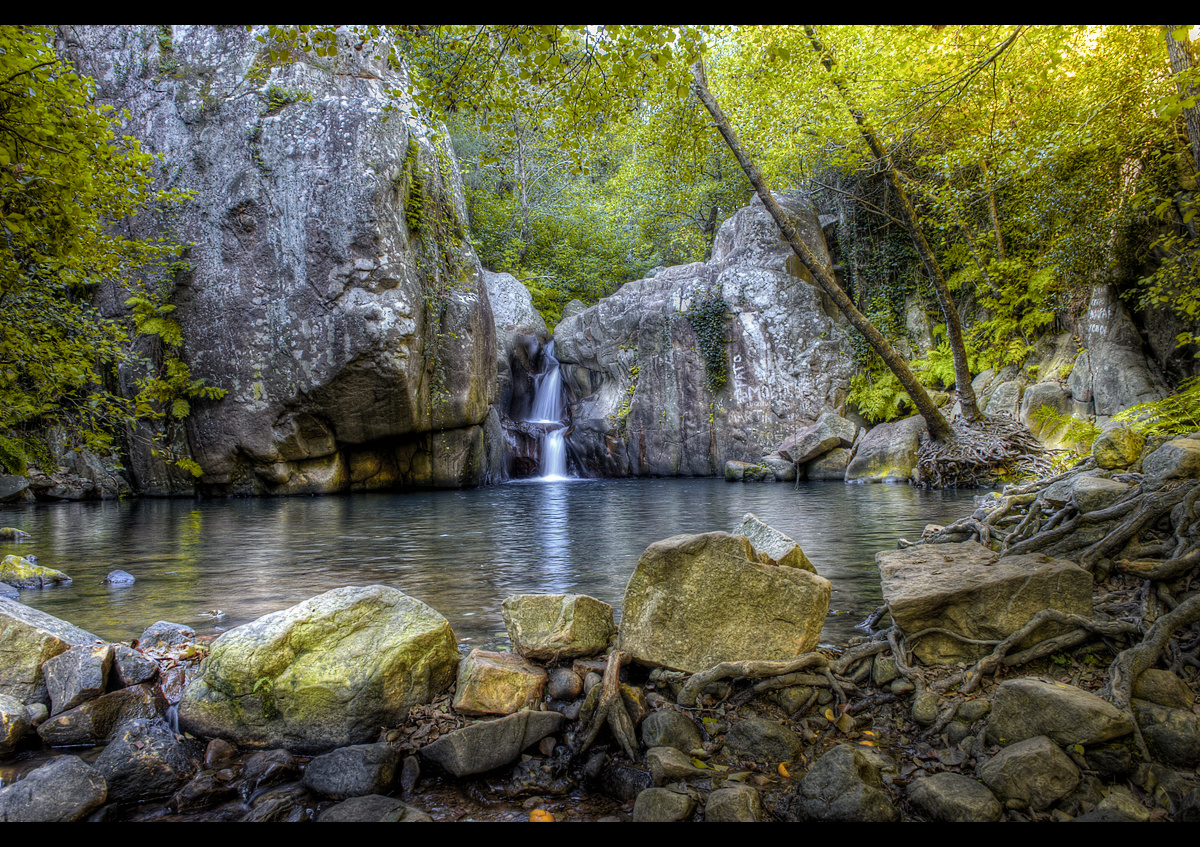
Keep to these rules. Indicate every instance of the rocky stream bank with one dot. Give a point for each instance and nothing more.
(1039, 664)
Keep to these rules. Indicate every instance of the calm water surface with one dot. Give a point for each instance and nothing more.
(462, 552)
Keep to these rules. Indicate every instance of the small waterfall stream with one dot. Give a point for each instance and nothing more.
(548, 409)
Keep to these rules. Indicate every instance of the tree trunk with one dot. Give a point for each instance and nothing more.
(962, 371)
(1181, 62)
(939, 429)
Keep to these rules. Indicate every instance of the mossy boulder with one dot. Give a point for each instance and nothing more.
(697, 600)
(888, 453)
(326, 673)
(20, 573)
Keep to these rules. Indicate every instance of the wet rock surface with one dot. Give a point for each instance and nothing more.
(891, 742)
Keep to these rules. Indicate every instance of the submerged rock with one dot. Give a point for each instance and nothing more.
(26, 573)
(326, 673)
(697, 600)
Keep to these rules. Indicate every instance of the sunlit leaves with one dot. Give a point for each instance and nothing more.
(67, 175)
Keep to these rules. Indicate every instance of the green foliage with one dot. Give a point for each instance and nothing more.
(936, 370)
(278, 97)
(878, 395)
(708, 324)
(1016, 300)
(66, 178)
(1079, 435)
(1178, 414)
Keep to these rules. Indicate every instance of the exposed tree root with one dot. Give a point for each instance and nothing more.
(609, 710)
(1143, 551)
(981, 452)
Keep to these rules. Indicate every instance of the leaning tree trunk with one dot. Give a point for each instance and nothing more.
(939, 429)
(962, 371)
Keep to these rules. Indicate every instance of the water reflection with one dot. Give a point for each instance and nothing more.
(461, 552)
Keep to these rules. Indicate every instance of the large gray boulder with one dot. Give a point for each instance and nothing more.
(332, 287)
(967, 589)
(28, 638)
(639, 381)
(1113, 373)
(326, 673)
(697, 600)
(829, 432)
(888, 452)
(1179, 458)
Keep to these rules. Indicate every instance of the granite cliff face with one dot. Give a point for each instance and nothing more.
(331, 286)
(634, 362)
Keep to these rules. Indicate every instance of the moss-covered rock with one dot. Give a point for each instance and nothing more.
(20, 573)
(326, 673)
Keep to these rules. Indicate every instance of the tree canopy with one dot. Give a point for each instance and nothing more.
(67, 178)
(1039, 160)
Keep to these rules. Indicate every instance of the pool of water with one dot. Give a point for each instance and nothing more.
(216, 564)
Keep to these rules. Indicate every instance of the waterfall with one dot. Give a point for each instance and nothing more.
(548, 409)
(547, 395)
(554, 455)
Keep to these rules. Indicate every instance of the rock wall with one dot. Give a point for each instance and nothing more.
(634, 366)
(331, 286)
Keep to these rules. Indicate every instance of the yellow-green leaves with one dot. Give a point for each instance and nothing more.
(67, 175)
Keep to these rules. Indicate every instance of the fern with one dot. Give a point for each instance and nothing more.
(1077, 433)
(879, 397)
(1177, 414)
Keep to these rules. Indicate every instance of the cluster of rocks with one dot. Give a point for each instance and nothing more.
(356, 705)
(322, 678)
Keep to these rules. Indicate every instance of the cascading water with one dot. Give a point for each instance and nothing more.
(548, 410)
(554, 455)
(547, 395)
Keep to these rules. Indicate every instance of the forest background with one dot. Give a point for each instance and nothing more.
(1041, 160)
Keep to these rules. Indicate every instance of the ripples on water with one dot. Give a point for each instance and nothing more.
(462, 552)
